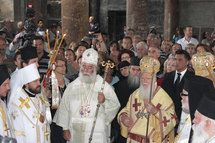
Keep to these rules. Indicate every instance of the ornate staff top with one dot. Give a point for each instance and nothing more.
(108, 65)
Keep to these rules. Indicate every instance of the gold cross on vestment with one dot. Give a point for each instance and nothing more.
(4, 119)
(24, 102)
(6, 128)
(47, 133)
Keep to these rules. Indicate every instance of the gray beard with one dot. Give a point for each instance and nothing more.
(133, 81)
(199, 134)
(145, 92)
(87, 79)
(185, 108)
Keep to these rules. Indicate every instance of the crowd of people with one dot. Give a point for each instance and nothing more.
(132, 90)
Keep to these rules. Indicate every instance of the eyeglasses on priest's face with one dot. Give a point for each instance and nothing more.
(182, 94)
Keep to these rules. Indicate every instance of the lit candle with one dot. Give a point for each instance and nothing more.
(53, 53)
(59, 46)
(47, 34)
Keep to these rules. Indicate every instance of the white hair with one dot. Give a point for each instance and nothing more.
(142, 44)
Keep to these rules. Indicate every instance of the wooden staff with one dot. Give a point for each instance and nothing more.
(107, 65)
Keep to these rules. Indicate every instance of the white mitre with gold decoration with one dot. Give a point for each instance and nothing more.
(90, 56)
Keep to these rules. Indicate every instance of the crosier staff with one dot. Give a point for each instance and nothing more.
(150, 97)
(108, 65)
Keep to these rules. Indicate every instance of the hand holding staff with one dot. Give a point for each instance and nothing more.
(101, 99)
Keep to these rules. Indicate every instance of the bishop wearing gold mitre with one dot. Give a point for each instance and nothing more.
(204, 64)
(148, 102)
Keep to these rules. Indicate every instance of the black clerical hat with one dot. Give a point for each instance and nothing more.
(197, 87)
(135, 61)
(28, 53)
(207, 104)
(4, 74)
(123, 64)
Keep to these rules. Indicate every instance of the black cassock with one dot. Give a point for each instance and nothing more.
(123, 92)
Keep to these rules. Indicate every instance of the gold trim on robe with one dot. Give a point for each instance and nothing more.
(161, 125)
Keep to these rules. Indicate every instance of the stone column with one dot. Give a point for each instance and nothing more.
(171, 18)
(6, 10)
(103, 16)
(136, 16)
(75, 15)
(94, 8)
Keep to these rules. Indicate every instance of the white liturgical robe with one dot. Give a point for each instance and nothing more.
(6, 128)
(77, 110)
(29, 118)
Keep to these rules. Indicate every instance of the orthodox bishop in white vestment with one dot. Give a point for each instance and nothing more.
(27, 110)
(77, 109)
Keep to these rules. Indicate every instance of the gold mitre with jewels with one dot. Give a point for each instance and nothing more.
(203, 63)
(149, 65)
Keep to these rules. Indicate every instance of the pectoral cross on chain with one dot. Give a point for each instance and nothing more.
(141, 114)
(24, 102)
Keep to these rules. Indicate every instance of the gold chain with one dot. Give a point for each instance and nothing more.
(86, 97)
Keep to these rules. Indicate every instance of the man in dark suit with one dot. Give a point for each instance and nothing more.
(173, 82)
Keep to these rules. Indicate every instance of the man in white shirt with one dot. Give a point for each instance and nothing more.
(188, 33)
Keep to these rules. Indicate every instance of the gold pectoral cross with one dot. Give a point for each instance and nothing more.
(24, 102)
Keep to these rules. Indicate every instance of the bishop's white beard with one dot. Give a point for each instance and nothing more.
(199, 134)
(133, 81)
(145, 92)
(90, 78)
(185, 108)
